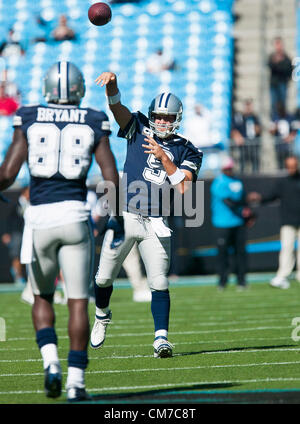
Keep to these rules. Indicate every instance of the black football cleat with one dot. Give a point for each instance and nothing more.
(53, 380)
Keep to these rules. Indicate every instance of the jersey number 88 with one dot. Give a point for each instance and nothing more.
(67, 151)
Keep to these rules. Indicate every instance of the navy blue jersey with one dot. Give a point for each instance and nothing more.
(245, 124)
(145, 182)
(283, 126)
(61, 141)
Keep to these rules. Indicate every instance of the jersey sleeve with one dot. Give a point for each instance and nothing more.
(100, 124)
(192, 161)
(135, 126)
(24, 117)
(130, 130)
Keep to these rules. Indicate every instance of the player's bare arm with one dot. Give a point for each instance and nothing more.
(106, 160)
(14, 159)
(154, 148)
(121, 113)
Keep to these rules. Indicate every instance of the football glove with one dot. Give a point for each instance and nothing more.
(116, 223)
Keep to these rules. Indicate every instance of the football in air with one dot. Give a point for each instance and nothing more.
(99, 14)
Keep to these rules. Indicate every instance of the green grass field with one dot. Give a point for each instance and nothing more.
(225, 342)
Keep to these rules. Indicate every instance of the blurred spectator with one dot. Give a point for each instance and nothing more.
(11, 88)
(41, 30)
(160, 61)
(281, 72)
(287, 190)
(296, 127)
(284, 133)
(297, 117)
(13, 235)
(8, 104)
(230, 215)
(245, 133)
(63, 31)
(198, 127)
(11, 46)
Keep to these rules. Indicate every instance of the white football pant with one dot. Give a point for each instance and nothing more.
(154, 250)
(287, 254)
(69, 248)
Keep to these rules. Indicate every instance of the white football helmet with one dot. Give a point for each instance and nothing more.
(165, 104)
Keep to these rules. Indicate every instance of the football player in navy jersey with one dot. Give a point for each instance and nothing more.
(157, 157)
(59, 140)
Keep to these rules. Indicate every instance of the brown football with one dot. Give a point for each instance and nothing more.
(99, 14)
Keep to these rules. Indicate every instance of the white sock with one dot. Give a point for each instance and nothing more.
(161, 333)
(49, 354)
(102, 312)
(75, 378)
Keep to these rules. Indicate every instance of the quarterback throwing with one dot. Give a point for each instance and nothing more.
(157, 157)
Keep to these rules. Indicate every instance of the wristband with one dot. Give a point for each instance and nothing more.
(112, 100)
(177, 177)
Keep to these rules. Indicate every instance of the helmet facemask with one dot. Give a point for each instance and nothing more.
(163, 130)
(165, 104)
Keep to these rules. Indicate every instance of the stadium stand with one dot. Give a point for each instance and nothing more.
(257, 22)
(298, 51)
(202, 50)
(297, 77)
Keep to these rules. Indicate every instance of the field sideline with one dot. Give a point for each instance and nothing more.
(229, 347)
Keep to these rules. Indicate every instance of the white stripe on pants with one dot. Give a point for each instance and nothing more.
(287, 257)
(154, 250)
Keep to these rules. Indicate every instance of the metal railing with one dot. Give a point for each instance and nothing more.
(248, 157)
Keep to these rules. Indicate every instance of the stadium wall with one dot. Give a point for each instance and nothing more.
(194, 251)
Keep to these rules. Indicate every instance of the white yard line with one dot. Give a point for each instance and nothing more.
(199, 316)
(235, 306)
(191, 383)
(229, 330)
(137, 370)
(245, 350)
(169, 385)
(244, 339)
(245, 320)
